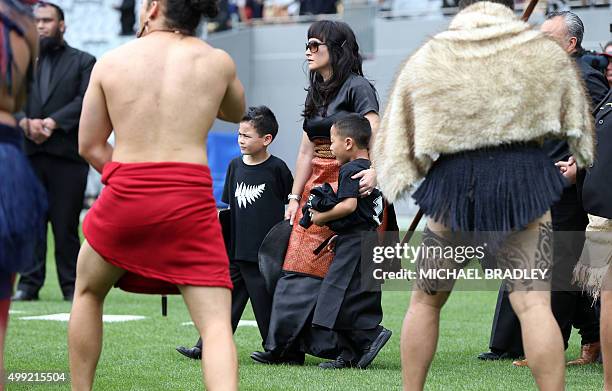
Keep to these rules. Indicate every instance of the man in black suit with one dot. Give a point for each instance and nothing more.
(570, 306)
(50, 122)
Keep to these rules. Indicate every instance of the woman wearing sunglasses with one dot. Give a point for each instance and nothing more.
(337, 88)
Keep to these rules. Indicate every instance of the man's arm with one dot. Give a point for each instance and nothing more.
(67, 117)
(95, 125)
(342, 209)
(233, 105)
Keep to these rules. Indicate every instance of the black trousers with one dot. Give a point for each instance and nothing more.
(249, 284)
(64, 181)
(291, 331)
(346, 304)
(569, 305)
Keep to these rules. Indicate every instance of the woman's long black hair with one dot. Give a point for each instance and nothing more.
(344, 58)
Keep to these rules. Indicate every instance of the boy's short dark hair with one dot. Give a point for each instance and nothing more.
(262, 119)
(465, 3)
(357, 127)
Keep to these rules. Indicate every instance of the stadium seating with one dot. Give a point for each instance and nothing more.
(222, 148)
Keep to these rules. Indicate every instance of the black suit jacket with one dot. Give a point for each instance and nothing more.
(66, 91)
(595, 81)
(597, 186)
(597, 87)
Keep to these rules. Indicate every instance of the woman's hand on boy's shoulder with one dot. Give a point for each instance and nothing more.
(367, 181)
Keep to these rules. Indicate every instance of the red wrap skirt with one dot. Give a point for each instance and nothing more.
(158, 221)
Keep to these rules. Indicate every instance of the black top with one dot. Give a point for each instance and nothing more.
(356, 95)
(368, 214)
(257, 196)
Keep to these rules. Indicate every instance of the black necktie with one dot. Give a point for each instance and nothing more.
(45, 77)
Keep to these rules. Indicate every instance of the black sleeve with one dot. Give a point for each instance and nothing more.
(597, 87)
(227, 186)
(67, 118)
(362, 96)
(19, 116)
(286, 181)
(347, 187)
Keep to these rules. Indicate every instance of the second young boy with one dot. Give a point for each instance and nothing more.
(345, 305)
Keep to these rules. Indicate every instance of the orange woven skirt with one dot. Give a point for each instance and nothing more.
(300, 257)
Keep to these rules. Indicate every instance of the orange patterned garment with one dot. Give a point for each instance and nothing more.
(300, 257)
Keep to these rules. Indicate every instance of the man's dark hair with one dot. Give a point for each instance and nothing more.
(575, 27)
(58, 9)
(185, 15)
(262, 119)
(466, 3)
(357, 127)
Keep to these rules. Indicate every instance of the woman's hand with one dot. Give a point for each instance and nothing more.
(291, 211)
(367, 181)
(568, 169)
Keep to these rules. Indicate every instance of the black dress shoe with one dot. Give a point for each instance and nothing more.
(274, 359)
(493, 356)
(339, 363)
(24, 296)
(370, 354)
(498, 355)
(194, 352)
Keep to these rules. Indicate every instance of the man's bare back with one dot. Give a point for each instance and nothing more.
(161, 94)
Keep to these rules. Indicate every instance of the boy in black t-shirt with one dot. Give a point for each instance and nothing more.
(256, 188)
(344, 305)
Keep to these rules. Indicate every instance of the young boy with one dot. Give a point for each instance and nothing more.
(344, 305)
(256, 189)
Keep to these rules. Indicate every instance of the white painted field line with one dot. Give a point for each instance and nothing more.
(242, 323)
(63, 317)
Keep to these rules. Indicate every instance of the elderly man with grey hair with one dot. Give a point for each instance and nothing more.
(567, 29)
(570, 306)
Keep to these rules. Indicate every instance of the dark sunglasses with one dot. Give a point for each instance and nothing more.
(313, 46)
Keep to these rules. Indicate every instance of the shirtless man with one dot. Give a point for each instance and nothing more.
(160, 94)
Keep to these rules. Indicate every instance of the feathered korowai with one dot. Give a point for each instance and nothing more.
(437, 107)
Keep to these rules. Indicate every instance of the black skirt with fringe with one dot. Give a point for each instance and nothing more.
(23, 204)
(492, 190)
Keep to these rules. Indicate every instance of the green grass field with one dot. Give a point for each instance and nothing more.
(140, 355)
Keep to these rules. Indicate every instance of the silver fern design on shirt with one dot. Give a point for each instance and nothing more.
(247, 194)
(378, 209)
